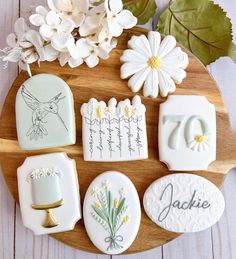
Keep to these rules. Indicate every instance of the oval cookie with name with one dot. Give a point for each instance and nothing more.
(183, 203)
(112, 212)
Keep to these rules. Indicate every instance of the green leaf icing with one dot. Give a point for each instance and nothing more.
(110, 214)
(201, 26)
(142, 9)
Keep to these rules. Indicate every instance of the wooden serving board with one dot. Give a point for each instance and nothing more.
(103, 82)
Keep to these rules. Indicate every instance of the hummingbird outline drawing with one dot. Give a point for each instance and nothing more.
(40, 111)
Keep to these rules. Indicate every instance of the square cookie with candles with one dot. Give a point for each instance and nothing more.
(187, 133)
(45, 113)
(49, 189)
(114, 132)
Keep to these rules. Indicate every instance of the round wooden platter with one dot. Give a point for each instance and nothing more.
(103, 82)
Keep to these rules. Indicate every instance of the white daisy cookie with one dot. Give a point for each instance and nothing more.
(154, 64)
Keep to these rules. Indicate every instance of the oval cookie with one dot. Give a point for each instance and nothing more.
(183, 203)
(112, 212)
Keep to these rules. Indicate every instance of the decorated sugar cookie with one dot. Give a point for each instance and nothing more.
(153, 64)
(183, 203)
(187, 132)
(45, 113)
(48, 189)
(114, 132)
(112, 212)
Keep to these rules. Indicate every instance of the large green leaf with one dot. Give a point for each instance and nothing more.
(142, 9)
(201, 26)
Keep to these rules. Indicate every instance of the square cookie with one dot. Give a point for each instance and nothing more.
(49, 189)
(114, 132)
(45, 113)
(187, 133)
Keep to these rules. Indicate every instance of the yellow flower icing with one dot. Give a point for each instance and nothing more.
(154, 63)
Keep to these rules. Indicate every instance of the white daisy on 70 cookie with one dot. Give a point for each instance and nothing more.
(154, 64)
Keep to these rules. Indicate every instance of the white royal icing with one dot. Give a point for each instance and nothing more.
(187, 132)
(112, 212)
(44, 180)
(183, 203)
(114, 132)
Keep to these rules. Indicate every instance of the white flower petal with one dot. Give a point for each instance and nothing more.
(115, 6)
(37, 19)
(115, 29)
(64, 58)
(166, 84)
(80, 5)
(25, 44)
(126, 19)
(92, 60)
(60, 5)
(20, 27)
(52, 6)
(59, 41)
(167, 44)
(41, 10)
(151, 85)
(52, 19)
(130, 68)
(46, 31)
(141, 45)
(137, 80)
(35, 38)
(84, 48)
(67, 26)
(176, 57)
(154, 38)
(130, 55)
(11, 40)
(50, 54)
(90, 25)
(13, 56)
(101, 53)
(75, 62)
(78, 18)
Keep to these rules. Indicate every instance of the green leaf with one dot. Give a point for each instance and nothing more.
(100, 213)
(122, 202)
(142, 9)
(199, 25)
(109, 202)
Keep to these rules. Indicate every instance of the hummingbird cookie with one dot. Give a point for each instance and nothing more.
(45, 113)
(48, 189)
(183, 203)
(114, 132)
(187, 133)
(112, 212)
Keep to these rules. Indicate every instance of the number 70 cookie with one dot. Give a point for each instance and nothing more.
(187, 133)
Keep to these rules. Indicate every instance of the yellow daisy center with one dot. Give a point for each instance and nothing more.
(154, 62)
(200, 138)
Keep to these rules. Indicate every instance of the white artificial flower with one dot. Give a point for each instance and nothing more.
(39, 18)
(53, 29)
(92, 24)
(73, 9)
(89, 51)
(158, 65)
(117, 18)
(26, 46)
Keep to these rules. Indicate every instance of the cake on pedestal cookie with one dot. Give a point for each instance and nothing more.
(49, 189)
